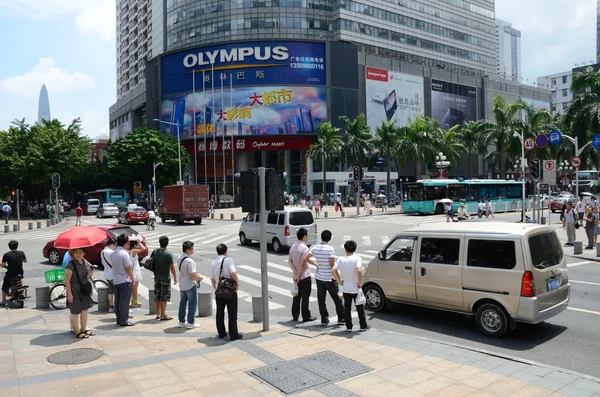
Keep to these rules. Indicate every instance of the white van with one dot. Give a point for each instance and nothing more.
(92, 206)
(502, 273)
(281, 227)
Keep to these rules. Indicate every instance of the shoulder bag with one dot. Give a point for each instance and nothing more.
(86, 286)
(225, 286)
(149, 264)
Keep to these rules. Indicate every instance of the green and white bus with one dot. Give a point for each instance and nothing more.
(424, 196)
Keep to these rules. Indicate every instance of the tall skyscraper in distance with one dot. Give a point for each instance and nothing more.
(508, 51)
(43, 105)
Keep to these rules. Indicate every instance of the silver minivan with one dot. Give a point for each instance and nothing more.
(281, 227)
(501, 273)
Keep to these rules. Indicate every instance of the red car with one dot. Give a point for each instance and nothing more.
(133, 214)
(92, 254)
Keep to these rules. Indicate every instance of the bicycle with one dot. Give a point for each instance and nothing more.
(58, 289)
(151, 224)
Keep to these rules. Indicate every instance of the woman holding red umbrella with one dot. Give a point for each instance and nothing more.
(79, 292)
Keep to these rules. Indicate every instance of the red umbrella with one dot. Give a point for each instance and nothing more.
(80, 237)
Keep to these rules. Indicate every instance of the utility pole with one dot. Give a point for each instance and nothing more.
(264, 277)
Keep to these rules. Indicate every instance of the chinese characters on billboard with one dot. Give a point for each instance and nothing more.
(453, 104)
(266, 110)
(251, 88)
(392, 96)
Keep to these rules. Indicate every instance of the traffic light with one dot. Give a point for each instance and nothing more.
(274, 183)
(186, 179)
(248, 198)
(56, 180)
(535, 169)
(356, 173)
(249, 195)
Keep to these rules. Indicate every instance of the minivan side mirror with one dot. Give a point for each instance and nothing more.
(382, 255)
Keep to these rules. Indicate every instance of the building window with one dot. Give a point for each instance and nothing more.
(553, 108)
(564, 78)
(565, 92)
(553, 82)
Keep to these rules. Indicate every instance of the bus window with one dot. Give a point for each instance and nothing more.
(458, 193)
(483, 193)
(492, 193)
(435, 192)
(414, 192)
(502, 192)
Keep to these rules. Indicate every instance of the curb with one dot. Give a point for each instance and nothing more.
(584, 258)
(62, 222)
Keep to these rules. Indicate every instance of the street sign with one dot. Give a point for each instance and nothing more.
(596, 141)
(55, 180)
(550, 172)
(137, 189)
(529, 144)
(555, 137)
(541, 140)
(575, 161)
(544, 186)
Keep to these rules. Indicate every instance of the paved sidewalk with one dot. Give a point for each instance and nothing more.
(589, 255)
(156, 358)
(12, 223)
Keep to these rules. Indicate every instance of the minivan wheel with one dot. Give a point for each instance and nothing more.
(243, 239)
(491, 320)
(375, 297)
(276, 245)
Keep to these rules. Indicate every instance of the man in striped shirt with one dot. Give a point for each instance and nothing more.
(325, 256)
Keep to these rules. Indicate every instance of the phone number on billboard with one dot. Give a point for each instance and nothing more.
(307, 66)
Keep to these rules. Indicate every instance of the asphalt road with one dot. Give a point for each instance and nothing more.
(568, 340)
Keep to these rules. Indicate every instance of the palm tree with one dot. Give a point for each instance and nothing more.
(449, 143)
(325, 148)
(357, 140)
(471, 139)
(536, 121)
(500, 132)
(385, 144)
(417, 142)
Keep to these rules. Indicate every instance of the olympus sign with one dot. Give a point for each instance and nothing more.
(278, 53)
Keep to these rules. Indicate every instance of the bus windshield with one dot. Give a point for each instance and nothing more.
(588, 175)
(414, 191)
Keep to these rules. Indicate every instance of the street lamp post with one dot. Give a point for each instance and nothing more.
(565, 168)
(156, 165)
(441, 163)
(180, 181)
(517, 135)
(575, 141)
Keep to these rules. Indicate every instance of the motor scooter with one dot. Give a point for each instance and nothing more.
(17, 293)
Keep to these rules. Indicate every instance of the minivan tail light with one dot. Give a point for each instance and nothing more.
(527, 285)
(286, 231)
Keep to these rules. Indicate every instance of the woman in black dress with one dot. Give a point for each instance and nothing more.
(77, 272)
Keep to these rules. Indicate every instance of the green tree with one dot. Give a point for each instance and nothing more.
(537, 121)
(132, 158)
(30, 154)
(356, 140)
(418, 142)
(499, 133)
(325, 148)
(385, 144)
(449, 143)
(471, 139)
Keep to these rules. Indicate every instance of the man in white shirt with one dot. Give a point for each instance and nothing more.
(6, 210)
(122, 269)
(189, 282)
(348, 273)
(111, 244)
(580, 209)
(325, 256)
(223, 266)
(298, 260)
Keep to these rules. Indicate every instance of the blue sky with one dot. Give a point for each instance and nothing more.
(69, 45)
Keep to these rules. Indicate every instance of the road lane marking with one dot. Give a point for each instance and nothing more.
(272, 288)
(578, 263)
(584, 311)
(583, 282)
(272, 275)
(366, 240)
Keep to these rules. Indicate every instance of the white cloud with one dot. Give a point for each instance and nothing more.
(96, 17)
(46, 72)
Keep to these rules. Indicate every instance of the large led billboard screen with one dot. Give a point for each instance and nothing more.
(453, 104)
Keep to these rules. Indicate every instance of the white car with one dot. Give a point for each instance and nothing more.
(107, 210)
(92, 206)
(281, 227)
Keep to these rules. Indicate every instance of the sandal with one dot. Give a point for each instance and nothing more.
(89, 332)
(166, 318)
(158, 317)
(82, 335)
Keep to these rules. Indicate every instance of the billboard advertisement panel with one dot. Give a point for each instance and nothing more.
(244, 64)
(392, 96)
(537, 104)
(453, 104)
(263, 110)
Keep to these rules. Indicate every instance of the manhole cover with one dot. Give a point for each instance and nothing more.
(75, 356)
(331, 366)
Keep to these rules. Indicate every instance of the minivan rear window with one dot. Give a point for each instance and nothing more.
(494, 254)
(545, 250)
(301, 218)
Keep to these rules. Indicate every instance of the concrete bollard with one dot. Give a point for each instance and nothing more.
(205, 304)
(30, 225)
(343, 214)
(221, 215)
(370, 212)
(212, 215)
(577, 248)
(232, 217)
(151, 303)
(42, 298)
(103, 300)
(543, 220)
(326, 214)
(6, 228)
(597, 250)
(48, 223)
(39, 225)
(257, 315)
(15, 228)
(52, 221)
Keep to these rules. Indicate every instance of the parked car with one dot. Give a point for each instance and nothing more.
(281, 227)
(500, 273)
(107, 210)
(92, 254)
(133, 214)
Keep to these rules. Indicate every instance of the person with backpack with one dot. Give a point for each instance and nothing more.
(111, 244)
(162, 260)
(189, 282)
